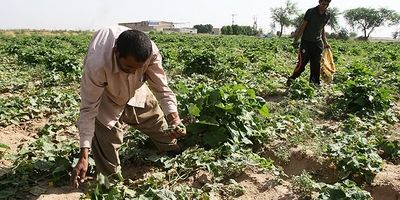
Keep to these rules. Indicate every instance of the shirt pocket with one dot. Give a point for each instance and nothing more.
(117, 96)
(139, 98)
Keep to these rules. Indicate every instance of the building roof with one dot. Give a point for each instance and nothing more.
(153, 23)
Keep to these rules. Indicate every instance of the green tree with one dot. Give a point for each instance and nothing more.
(238, 30)
(333, 20)
(226, 30)
(296, 22)
(367, 19)
(207, 28)
(235, 29)
(283, 15)
(396, 34)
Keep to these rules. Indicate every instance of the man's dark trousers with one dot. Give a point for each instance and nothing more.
(309, 51)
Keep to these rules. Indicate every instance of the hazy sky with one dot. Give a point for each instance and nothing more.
(93, 14)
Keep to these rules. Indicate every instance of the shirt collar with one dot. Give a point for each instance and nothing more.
(317, 11)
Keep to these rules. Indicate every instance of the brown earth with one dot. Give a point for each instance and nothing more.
(300, 160)
(17, 136)
(264, 186)
(134, 172)
(65, 193)
(386, 184)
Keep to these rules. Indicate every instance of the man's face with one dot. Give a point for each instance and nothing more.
(323, 5)
(128, 64)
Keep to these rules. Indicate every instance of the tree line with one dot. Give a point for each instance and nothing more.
(227, 30)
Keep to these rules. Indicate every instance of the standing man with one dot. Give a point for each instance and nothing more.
(113, 94)
(313, 40)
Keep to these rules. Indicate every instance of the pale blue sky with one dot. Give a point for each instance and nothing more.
(93, 14)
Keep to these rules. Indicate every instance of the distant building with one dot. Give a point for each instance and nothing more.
(159, 26)
(147, 26)
(216, 31)
(180, 30)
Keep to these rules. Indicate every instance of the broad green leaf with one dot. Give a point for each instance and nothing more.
(4, 146)
(264, 111)
(215, 136)
(194, 110)
(226, 107)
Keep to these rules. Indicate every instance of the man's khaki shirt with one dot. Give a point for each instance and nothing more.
(105, 89)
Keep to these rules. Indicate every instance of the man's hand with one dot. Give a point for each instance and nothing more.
(78, 173)
(176, 129)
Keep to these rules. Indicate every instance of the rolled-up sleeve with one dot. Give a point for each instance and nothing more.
(158, 83)
(92, 87)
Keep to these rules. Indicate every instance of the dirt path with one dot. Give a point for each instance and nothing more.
(57, 193)
(386, 185)
(264, 186)
(17, 136)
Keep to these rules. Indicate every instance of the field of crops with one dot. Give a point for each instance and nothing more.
(249, 137)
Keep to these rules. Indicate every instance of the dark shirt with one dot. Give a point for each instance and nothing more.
(316, 23)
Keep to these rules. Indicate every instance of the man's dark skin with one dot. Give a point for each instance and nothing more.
(127, 64)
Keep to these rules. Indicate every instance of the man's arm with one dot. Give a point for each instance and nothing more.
(158, 84)
(92, 87)
(91, 91)
(324, 40)
(300, 31)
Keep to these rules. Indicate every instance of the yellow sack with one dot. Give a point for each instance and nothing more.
(328, 68)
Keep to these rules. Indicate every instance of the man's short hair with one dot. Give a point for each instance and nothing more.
(134, 43)
(325, 1)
